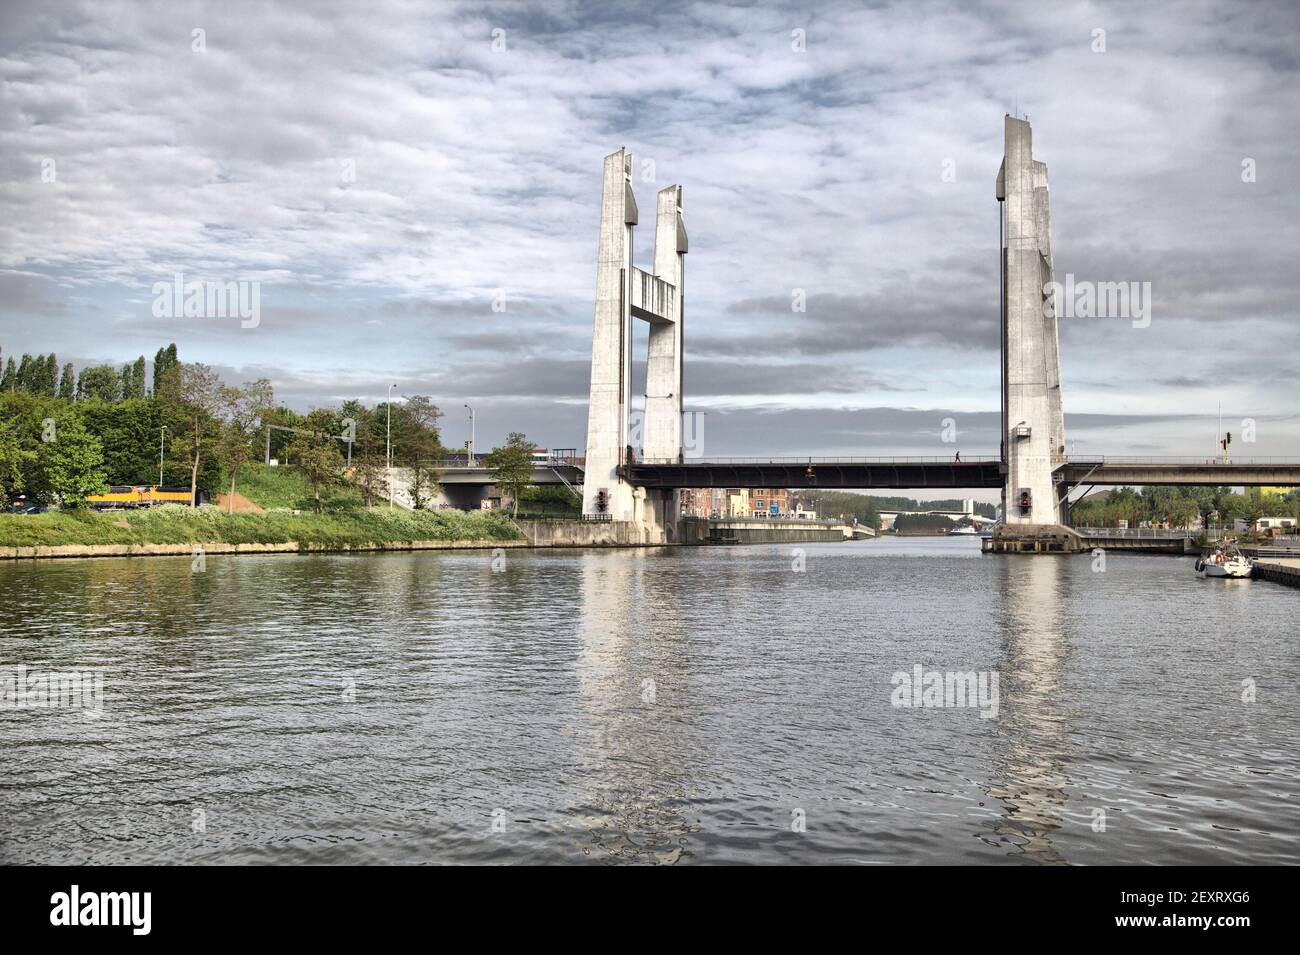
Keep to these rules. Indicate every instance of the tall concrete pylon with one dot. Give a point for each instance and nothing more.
(1033, 424)
(624, 292)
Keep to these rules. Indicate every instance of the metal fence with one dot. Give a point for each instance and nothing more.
(1150, 533)
(801, 521)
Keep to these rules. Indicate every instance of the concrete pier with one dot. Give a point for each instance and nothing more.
(1279, 570)
(611, 346)
(1033, 428)
(624, 292)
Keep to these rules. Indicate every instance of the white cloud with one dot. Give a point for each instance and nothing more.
(385, 165)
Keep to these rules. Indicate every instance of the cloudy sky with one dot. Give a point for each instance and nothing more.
(387, 170)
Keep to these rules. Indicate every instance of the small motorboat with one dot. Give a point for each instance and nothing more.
(1225, 561)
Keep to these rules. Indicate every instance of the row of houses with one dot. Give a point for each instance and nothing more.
(761, 502)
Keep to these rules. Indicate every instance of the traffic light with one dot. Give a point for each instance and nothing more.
(602, 501)
(1026, 501)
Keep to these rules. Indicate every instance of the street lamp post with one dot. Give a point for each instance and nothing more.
(471, 462)
(161, 432)
(388, 453)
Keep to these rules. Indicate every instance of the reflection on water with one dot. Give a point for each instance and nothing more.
(1033, 724)
(633, 813)
(675, 705)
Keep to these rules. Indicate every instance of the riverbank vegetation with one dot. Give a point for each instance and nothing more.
(928, 524)
(66, 437)
(178, 524)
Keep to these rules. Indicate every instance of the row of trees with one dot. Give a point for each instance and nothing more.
(1182, 506)
(41, 375)
(58, 446)
(54, 450)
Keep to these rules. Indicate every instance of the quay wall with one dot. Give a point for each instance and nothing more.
(41, 551)
(588, 534)
(1286, 573)
(760, 531)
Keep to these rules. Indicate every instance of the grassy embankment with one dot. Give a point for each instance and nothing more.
(346, 521)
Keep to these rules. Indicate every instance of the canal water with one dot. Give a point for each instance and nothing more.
(677, 705)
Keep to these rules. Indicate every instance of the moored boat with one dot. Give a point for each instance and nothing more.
(1225, 561)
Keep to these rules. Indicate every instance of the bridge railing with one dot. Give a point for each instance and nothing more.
(943, 459)
(461, 463)
(787, 518)
(1207, 459)
(1149, 533)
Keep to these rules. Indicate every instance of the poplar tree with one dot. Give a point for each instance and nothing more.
(68, 383)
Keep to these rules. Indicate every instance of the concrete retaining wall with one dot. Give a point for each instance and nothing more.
(1148, 545)
(585, 533)
(285, 547)
(758, 531)
(1278, 573)
(1033, 539)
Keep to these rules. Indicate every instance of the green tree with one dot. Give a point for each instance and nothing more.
(9, 381)
(137, 379)
(1184, 511)
(99, 382)
(513, 464)
(200, 393)
(368, 465)
(68, 383)
(69, 463)
(1252, 509)
(49, 376)
(314, 452)
(12, 459)
(166, 374)
(923, 523)
(415, 435)
(23, 378)
(241, 411)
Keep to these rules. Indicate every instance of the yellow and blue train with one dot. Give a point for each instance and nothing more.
(144, 495)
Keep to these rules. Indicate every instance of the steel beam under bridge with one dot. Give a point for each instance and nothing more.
(1251, 472)
(979, 472)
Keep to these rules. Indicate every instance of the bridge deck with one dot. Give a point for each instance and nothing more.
(818, 472)
(975, 471)
(1249, 472)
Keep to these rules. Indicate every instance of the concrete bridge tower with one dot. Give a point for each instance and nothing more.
(624, 292)
(1033, 424)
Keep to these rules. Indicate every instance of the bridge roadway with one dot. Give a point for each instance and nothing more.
(1247, 472)
(972, 471)
(845, 472)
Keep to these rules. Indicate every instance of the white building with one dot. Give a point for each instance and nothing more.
(1283, 524)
